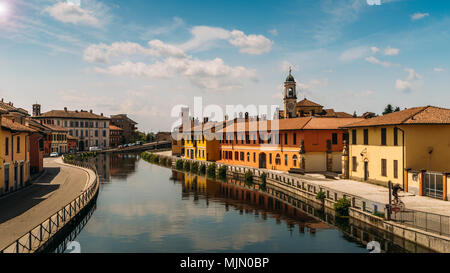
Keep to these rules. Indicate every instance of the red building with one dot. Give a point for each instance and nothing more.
(115, 135)
(72, 144)
(37, 146)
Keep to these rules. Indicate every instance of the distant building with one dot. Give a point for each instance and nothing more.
(115, 135)
(127, 125)
(72, 144)
(37, 148)
(409, 147)
(305, 107)
(90, 129)
(163, 136)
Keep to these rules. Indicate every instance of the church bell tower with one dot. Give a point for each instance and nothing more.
(290, 96)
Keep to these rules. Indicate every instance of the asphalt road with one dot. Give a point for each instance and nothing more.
(26, 208)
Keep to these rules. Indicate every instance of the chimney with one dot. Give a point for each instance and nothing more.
(65, 109)
(246, 116)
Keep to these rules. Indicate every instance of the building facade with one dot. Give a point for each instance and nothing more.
(409, 147)
(307, 143)
(127, 125)
(201, 142)
(15, 152)
(92, 130)
(115, 135)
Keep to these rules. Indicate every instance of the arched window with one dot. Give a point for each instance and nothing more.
(248, 157)
(294, 160)
(278, 159)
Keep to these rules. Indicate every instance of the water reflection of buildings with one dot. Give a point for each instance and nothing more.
(247, 201)
(115, 165)
(285, 207)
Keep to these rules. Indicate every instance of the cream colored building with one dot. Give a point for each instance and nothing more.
(90, 129)
(409, 147)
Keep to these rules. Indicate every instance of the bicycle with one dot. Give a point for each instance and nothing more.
(397, 205)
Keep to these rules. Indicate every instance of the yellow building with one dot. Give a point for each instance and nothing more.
(409, 147)
(15, 155)
(201, 143)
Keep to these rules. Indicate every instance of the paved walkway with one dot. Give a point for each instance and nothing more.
(25, 209)
(372, 192)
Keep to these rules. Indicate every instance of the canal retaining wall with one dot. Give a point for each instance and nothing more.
(362, 209)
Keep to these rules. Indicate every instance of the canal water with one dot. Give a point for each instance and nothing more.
(142, 207)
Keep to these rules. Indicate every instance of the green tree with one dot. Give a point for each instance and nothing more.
(388, 109)
(397, 109)
(355, 115)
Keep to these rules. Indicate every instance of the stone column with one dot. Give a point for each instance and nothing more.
(345, 162)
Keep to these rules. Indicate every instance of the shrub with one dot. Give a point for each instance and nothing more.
(320, 196)
(223, 172)
(179, 164)
(379, 214)
(211, 170)
(248, 177)
(187, 166)
(194, 167)
(342, 206)
(162, 161)
(202, 169)
(263, 177)
(169, 162)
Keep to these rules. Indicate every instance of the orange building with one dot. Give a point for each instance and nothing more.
(311, 143)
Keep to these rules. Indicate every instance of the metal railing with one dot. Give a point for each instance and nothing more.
(40, 234)
(427, 221)
(430, 222)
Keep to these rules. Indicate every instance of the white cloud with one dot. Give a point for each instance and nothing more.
(374, 60)
(418, 16)
(403, 85)
(204, 37)
(391, 51)
(374, 49)
(413, 80)
(208, 74)
(412, 75)
(251, 44)
(68, 12)
(101, 53)
(438, 69)
(354, 53)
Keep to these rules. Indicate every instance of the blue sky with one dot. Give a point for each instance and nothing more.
(145, 57)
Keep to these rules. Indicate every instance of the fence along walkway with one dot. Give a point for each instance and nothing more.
(426, 221)
(39, 235)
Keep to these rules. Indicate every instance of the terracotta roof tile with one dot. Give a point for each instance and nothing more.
(71, 114)
(306, 102)
(113, 127)
(415, 115)
(15, 126)
(324, 123)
